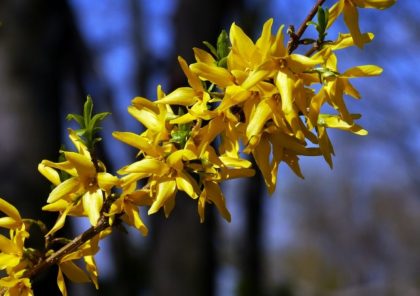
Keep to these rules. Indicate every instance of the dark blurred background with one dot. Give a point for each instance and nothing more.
(354, 230)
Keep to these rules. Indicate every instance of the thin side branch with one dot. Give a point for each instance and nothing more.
(69, 248)
(295, 37)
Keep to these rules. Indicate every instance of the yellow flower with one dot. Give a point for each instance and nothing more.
(166, 176)
(129, 203)
(351, 15)
(73, 272)
(335, 85)
(211, 169)
(12, 249)
(155, 117)
(16, 286)
(84, 192)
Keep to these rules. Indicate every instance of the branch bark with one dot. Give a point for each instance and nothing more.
(295, 37)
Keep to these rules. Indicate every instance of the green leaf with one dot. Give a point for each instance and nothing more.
(78, 118)
(322, 21)
(87, 110)
(211, 48)
(223, 45)
(89, 126)
(222, 62)
(97, 118)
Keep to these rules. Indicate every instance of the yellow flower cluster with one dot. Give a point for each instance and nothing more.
(243, 99)
(14, 257)
(348, 8)
(264, 100)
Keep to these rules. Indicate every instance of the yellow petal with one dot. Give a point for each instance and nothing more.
(9, 210)
(106, 181)
(92, 205)
(60, 221)
(315, 106)
(169, 206)
(7, 246)
(186, 183)
(334, 12)
(334, 121)
(346, 40)
(148, 118)
(299, 63)
(203, 56)
(210, 132)
(147, 166)
(256, 124)
(92, 269)
(264, 42)
(293, 162)
(139, 142)
(285, 83)
(78, 143)
(175, 160)
(351, 18)
(193, 80)
(378, 4)
(259, 74)
(215, 195)
(234, 95)
(7, 222)
(217, 75)
(278, 49)
(143, 103)
(83, 164)
(363, 71)
(185, 96)
(68, 186)
(132, 213)
(325, 145)
(183, 119)
(166, 188)
(261, 155)
(74, 272)
(58, 205)
(235, 162)
(133, 177)
(201, 206)
(64, 166)
(349, 89)
(8, 260)
(61, 283)
(241, 43)
(49, 173)
(140, 197)
(228, 173)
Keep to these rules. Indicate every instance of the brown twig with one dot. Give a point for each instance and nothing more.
(295, 37)
(103, 223)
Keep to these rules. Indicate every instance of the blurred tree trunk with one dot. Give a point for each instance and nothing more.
(250, 249)
(39, 48)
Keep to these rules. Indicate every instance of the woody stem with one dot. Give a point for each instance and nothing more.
(295, 37)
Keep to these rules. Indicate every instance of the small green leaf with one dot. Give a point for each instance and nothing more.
(78, 118)
(97, 118)
(223, 45)
(87, 110)
(89, 126)
(222, 62)
(211, 48)
(322, 22)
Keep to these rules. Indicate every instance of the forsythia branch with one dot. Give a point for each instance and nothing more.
(295, 37)
(249, 97)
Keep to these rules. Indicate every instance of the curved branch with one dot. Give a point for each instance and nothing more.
(295, 37)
